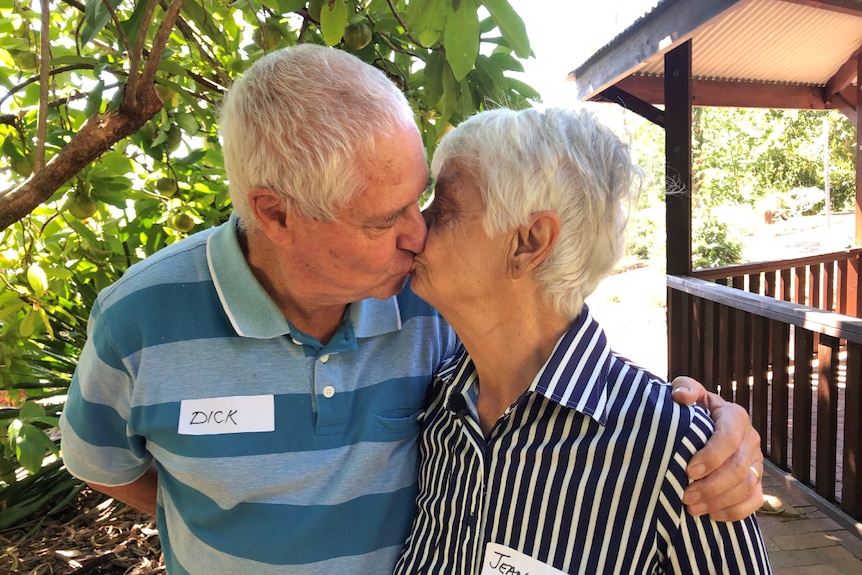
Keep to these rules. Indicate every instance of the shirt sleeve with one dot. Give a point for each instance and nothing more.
(97, 443)
(696, 545)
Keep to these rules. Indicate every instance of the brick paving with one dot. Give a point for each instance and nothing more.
(809, 536)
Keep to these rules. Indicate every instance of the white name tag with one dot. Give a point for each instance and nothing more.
(217, 415)
(500, 559)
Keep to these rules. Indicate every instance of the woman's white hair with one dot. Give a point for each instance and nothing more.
(297, 123)
(561, 160)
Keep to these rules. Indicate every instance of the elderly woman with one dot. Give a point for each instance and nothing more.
(542, 450)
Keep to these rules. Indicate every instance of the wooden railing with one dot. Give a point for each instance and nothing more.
(826, 281)
(797, 370)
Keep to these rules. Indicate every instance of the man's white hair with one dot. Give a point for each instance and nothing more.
(561, 160)
(298, 121)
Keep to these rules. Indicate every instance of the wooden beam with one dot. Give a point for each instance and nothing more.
(731, 94)
(845, 102)
(806, 317)
(845, 74)
(668, 26)
(635, 104)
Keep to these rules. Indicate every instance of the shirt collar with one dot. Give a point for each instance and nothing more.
(252, 312)
(575, 375)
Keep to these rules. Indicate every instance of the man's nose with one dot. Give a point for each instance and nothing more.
(412, 237)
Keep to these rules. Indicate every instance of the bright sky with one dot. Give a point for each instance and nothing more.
(564, 33)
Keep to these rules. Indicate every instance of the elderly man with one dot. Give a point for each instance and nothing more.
(257, 385)
(541, 450)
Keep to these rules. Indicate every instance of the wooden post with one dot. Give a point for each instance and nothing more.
(677, 89)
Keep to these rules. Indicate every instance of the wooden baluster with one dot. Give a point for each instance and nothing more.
(827, 415)
(801, 443)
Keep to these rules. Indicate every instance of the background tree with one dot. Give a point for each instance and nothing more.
(108, 134)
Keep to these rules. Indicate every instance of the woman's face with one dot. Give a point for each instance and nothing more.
(461, 265)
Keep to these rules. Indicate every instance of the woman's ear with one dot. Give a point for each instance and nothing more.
(270, 213)
(533, 242)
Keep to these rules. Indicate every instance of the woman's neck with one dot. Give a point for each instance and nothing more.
(508, 343)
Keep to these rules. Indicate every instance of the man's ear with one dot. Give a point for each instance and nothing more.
(270, 213)
(533, 242)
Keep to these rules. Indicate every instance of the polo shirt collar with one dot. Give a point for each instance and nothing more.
(575, 375)
(254, 314)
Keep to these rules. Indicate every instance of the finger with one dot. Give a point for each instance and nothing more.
(687, 391)
(731, 427)
(750, 498)
(730, 485)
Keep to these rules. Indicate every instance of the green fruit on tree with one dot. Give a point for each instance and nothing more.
(183, 222)
(175, 137)
(38, 279)
(357, 35)
(166, 187)
(22, 165)
(267, 37)
(26, 61)
(168, 95)
(82, 206)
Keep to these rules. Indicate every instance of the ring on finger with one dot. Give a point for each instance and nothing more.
(756, 473)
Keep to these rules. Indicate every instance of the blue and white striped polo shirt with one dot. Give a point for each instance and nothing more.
(584, 473)
(275, 454)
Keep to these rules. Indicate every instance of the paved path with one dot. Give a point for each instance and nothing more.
(809, 537)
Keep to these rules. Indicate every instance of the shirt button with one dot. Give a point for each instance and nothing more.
(328, 391)
(324, 358)
(296, 341)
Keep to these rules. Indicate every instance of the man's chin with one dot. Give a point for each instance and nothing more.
(393, 288)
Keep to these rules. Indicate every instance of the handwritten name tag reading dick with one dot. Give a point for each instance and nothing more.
(235, 414)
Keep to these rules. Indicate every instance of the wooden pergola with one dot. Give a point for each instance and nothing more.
(761, 334)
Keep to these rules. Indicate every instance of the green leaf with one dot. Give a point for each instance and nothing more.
(31, 447)
(462, 38)
(468, 106)
(523, 89)
(505, 61)
(332, 22)
(511, 26)
(94, 99)
(451, 94)
(188, 122)
(72, 60)
(434, 77)
(9, 310)
(27, 325)
(30, 410)
(135, 21)
(96, 17)
(204, 20)
(285, 6)
(426, 19)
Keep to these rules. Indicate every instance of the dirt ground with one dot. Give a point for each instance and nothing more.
(99, 537)
(94, 536)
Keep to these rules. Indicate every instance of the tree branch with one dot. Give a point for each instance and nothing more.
(44, 74)
(96, 136)
(136, 54)
(148, 77)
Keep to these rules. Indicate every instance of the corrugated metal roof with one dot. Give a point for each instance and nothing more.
(767, 41)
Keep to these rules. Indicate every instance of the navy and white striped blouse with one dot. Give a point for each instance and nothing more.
(583, 473)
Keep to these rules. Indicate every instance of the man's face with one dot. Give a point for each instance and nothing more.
(367, 250)
(461, 265)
